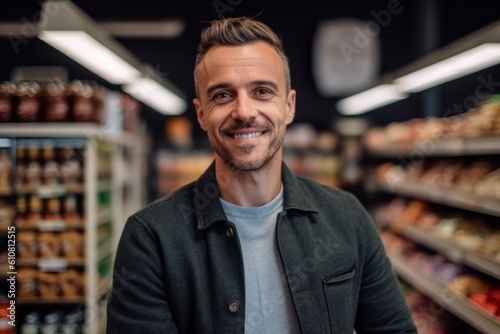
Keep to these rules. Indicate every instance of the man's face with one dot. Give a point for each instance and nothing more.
(243, 104)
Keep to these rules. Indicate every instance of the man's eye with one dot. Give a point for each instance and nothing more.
(221, 96)
(263, 92)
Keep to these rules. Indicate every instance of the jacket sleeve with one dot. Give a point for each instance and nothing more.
(381, 306)
(137, 303)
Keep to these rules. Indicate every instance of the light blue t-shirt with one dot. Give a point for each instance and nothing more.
(268, 304)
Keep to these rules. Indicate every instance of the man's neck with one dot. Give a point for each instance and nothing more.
(249, 188)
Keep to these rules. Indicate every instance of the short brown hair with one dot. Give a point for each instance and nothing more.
(240, 31)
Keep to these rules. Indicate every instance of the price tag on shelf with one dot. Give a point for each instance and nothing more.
(52, 264)
(456, 255)
(51, 225)
(51, 191)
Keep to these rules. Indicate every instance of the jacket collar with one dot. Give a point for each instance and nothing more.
(209, 208)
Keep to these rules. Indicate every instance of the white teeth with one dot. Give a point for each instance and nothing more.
(247, 135)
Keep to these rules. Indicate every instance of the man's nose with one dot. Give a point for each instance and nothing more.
(244, 108)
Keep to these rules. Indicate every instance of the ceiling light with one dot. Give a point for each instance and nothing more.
(87, 51)
(372, 98)
(156, 96)
(67, 28)
(467, 62)
(470, 54)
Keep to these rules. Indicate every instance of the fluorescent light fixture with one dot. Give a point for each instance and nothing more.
(372, 98)
(67, 28)
(470, 54)
(87, 51)
(467, 62)
(156, 96)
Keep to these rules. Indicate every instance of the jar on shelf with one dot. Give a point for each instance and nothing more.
(53, 209)
(5, 170)
(35, 209)
(21, 209)
(55, 97)
(82, 104)
(20, 174)
(28, 102)
(34, 166)
(7, 91)
(50, 166)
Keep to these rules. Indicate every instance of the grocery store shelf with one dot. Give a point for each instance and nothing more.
(51, 264)
(78, 130)
(75, 130)
(449, 300)
(442, 147)
(450, 197)
(50, 191)
(51, 300)
(453, 252)
(50, 225)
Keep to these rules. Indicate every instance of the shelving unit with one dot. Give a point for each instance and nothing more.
(446, 298)
(449, 198)
(452, 251)
(105, 204)
(442, 147)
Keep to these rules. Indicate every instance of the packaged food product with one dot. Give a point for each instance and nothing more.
(48, 244)
(71, 214)
(7, 91)
(20, 174)
(28, 102)
(50, 166)
(56, 102)
(48, 284)
(35, 210)
(27, 282)
(26, 244)
(468, 285)
(33, 166)
(6, 215)
(72, 244)
(82, 104)
(71, 283)
(53, 209)
(5, 171)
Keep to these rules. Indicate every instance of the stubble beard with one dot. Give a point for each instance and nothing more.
(243, 165)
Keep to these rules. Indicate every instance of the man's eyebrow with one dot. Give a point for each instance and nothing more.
(215, 87)
(256, 83)
(271, 84)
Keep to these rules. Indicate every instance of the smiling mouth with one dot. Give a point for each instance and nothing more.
(247, 135)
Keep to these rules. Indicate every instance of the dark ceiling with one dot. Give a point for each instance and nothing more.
(402, 40)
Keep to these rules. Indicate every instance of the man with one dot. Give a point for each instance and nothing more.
(249, 247)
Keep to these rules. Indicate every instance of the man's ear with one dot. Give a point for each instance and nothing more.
(199, 113)
(290, 106)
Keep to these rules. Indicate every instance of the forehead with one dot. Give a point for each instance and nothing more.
(251, 60)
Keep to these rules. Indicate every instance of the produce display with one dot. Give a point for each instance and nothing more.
(471, 233)
(479, 290)
(480, 177)
(483, 121)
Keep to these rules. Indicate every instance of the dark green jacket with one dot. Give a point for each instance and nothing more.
(179, 266)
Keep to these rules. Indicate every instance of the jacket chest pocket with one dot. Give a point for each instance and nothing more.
(341, 298)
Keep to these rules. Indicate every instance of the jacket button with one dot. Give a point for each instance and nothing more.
(234, 306)
(229, 232)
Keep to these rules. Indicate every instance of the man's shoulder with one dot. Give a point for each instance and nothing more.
(168, 205)
(314, 188)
